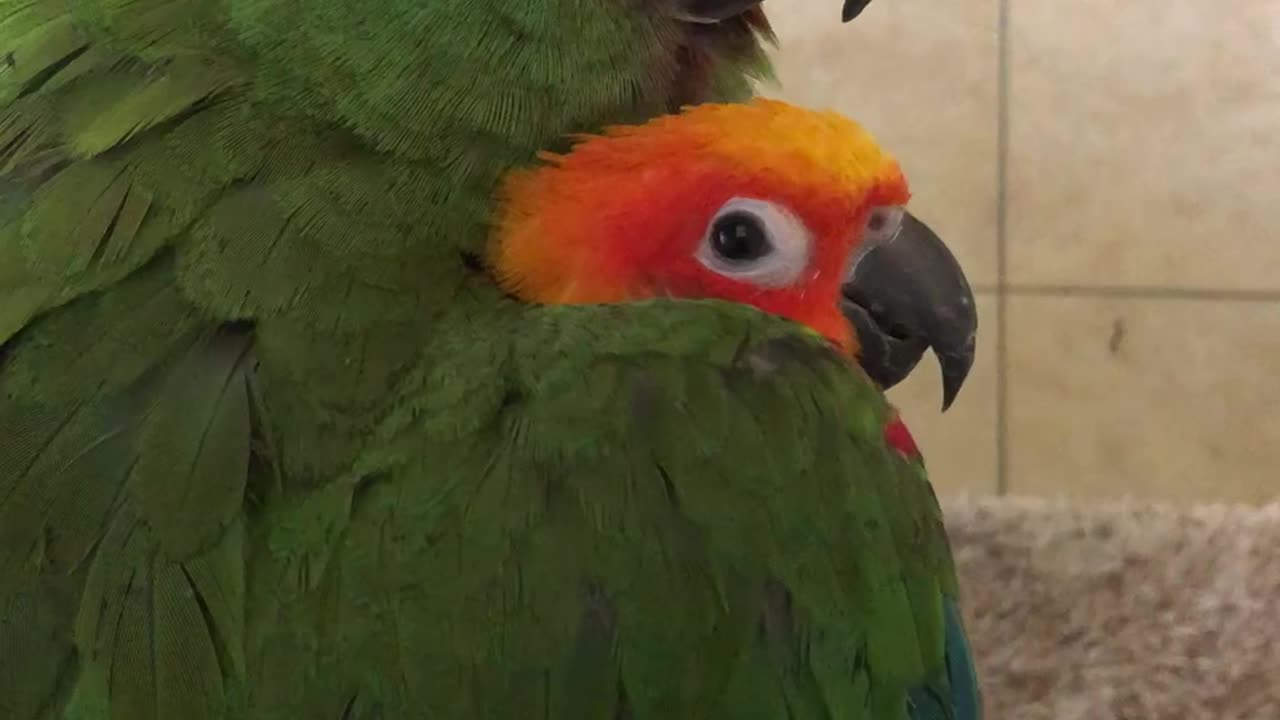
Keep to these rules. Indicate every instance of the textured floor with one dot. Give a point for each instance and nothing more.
(1122, 612)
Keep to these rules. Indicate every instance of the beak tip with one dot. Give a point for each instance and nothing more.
(955, 367)
(852, 9)
(949, 393)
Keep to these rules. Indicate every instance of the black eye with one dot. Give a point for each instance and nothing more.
(740, 237)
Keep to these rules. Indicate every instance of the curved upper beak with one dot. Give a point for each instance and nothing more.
(904, 295)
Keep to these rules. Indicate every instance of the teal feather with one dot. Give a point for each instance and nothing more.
(963, 698)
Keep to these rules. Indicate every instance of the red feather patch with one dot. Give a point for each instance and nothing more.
(899, 438)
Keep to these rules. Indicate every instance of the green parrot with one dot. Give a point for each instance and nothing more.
(276, 446)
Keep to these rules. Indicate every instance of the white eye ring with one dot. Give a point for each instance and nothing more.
(758, 242)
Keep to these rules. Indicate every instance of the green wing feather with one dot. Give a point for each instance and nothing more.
(609, 542)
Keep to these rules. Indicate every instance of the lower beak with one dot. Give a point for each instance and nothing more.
(905, 295)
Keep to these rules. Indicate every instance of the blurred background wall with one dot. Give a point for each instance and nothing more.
(1109, 175)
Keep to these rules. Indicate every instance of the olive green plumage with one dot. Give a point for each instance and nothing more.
(271, 448)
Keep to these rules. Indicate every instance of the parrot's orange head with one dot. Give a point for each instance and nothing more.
(762, 203)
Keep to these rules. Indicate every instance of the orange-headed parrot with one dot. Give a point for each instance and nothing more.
(799, 214)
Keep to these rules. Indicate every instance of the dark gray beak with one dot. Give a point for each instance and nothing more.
(853, 8)
(905, 295)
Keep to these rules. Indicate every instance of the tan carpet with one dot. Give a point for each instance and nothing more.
(1121, 612)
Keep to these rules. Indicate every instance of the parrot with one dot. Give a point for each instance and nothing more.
(273, 444)
(751, 204)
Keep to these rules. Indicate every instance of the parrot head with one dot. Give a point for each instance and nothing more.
(796, 212)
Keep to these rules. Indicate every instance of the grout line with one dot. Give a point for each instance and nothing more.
(1133, 292)
(1002, 247)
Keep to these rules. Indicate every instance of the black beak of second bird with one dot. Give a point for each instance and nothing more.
(905, 295)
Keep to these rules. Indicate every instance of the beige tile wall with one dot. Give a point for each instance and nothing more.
(1109, 174)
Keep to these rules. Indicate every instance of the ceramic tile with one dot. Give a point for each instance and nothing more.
(1144, 143)
(921, 76)
(1165, 399)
